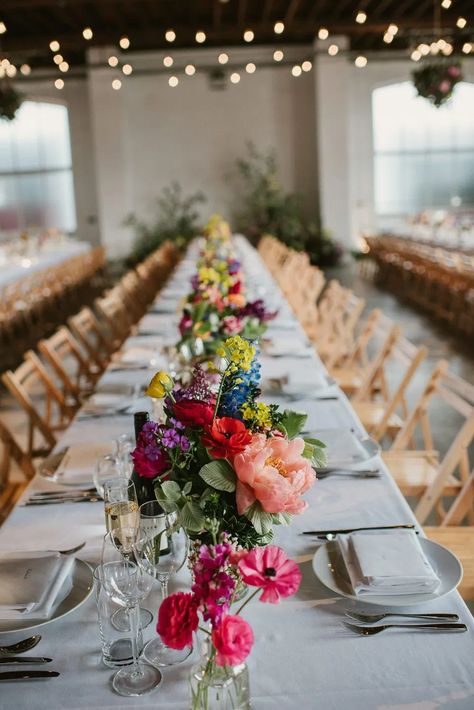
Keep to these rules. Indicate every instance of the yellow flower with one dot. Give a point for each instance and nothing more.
(160, 385)
(208, 275)
(238, 352)
(259, 414)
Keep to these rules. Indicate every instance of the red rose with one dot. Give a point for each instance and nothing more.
(226, 437)
(236, 288)
(177, 620)
(151, 466)
(233, 640)
(192, 413)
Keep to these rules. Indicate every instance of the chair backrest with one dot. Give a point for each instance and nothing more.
(457, 394)
(71, 365)
(12, 451)
(87, 330)
(111, 310)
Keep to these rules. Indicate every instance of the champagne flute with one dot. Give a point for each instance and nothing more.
(121, 581)
(125, 444)
(161, 549)
(122, 522)
(107, 467)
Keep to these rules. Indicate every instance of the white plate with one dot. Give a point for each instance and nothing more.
(329, 568)
(82, 584)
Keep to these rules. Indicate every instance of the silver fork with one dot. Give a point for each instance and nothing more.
(71, 550)
(373, 618)
(373, 630)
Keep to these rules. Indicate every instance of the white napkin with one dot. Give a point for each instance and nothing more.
(388, 562)
(80, 461)
(344, 447)
(31, 583)
(294, 347)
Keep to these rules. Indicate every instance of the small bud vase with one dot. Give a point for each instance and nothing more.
(214, 687)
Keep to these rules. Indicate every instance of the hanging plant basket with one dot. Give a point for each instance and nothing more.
(435, 81)
(10, 101)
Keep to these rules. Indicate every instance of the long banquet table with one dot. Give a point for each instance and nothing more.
(303, 656)
(15, 268)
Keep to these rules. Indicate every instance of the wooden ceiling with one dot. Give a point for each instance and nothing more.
(32, 24)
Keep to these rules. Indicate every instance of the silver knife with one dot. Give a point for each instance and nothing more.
(330, 534)
(17, 660)
(57, 501)
(61, 493)
(27, 675)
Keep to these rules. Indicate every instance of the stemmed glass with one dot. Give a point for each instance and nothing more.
(161, 549)
(125, 444)
(122, 522)
(107, 467)
(121, 581)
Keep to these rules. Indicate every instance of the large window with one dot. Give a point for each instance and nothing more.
(36, 185)
(424, 156)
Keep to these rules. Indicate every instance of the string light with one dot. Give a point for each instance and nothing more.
(58, 58)
(235, 77)
(441, 44)
(307, 65)
(446, 4)
(434, 49)
(279, 28)
(200, 37)
(127, 69)
(323, 33)
(467, 48)
(170, 35)
(59, 84)
(250, 68)
(361, 17)
(5, 63)
(278, 55)
(64, 67)
(87, 33)
(54, 46)
(11, 70)
(3, 28)
(223, 58)
(424, 49)
(447, 49)
(360, 61)
(333, 49)
(387, 38)
(461, 22)
(392, 29)
(296, 70)
(168, 61)
(416, 55)
(190, 69)
(173, 81)
(113, 61)
(124, 42)
(25, 69)
(116, 84)
(248, 35)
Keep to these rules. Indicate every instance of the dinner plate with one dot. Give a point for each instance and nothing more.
(82, 585)
(329, 568)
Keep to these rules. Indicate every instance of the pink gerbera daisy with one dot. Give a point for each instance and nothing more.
(271, 569)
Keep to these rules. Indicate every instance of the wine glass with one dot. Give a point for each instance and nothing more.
(122, 522)
(121, 581)
(125, 444)
(161, 548)
(107, 467)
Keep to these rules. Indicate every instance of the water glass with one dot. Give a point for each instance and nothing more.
(107, 467)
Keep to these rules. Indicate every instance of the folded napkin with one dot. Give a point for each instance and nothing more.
(388, 562)
(31, 583)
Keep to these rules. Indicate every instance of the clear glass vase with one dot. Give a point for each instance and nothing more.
(214, 687)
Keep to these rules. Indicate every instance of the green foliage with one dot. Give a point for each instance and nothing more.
(436, 79)
(219, 474)
(267, 209)
(176, 220)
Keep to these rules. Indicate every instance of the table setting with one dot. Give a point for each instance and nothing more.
(238, 539)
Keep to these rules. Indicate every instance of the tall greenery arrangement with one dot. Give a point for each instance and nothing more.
(177, 219)
(266, 208)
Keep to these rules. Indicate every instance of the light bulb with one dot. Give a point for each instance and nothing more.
(116, 84)
(127, 69)
(250, 68)
(87, 33)
(278, 28)
(64, 67)
(223, 58)
(307, 66)
(25, 69)
(54, 46)
(323, 33)
(190, 69)
(59, 84)
(278, 55)
(168, 61)
(170, 35)
(58, 58)
(235, 77)
(360, 61)
(416, 55)
(3, 28)
(248, 35)
(461, 22)
(200, 37)
(361, 17)
(296, 70)
(113, 61)
(333, 49)
(124, 42)
(173, 81)
(387, 38)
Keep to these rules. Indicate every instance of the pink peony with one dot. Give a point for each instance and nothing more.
(233, 640)
(269, 568)
(274, 472)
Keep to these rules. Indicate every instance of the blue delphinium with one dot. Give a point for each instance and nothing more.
(242, 391)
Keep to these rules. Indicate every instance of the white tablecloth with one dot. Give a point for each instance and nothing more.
(303, 657)
(14, 269)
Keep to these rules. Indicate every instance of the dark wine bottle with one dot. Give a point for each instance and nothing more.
(144, 486)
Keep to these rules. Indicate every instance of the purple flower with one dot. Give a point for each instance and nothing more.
(184, 443)
(176, 423)
(170, 438)
(256, 309)
(213, 585)
(233, 266)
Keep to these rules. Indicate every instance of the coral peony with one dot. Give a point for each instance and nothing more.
(226, 437)
(193, 413)
(231, 325)
(269, 568)
(233, 640)
(177, 620)
(273, 472)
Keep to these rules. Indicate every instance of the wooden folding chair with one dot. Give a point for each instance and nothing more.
(76, 371)
(421, 473)
(97, 342)
(381, 402)
(112, 312)
(10, 490)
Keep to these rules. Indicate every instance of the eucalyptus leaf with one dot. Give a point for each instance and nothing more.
(293, 422)
(187, 488)
(219, 474)
(168, 505)
(261, 520)
(192, 517)
(171, 490)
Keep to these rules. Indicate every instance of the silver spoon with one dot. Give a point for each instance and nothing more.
(71, 550)
(373, 630)
(21, 646)
(373, 618)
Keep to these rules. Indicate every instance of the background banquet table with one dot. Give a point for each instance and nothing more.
(14, 268)
(303, 656)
